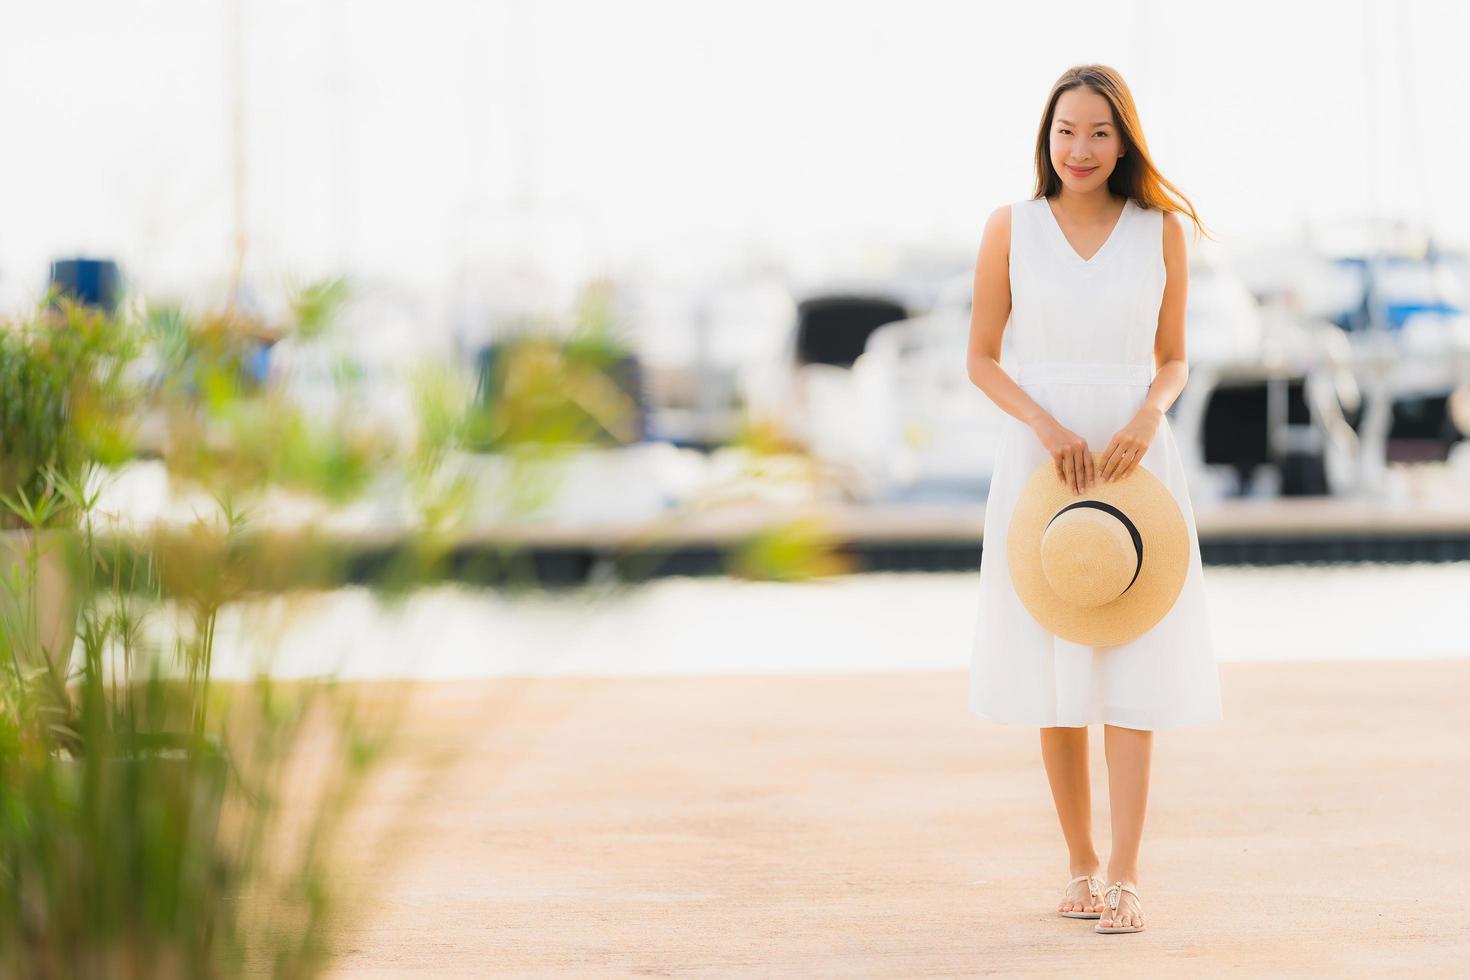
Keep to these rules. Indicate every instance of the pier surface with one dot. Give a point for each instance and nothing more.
(866, 825)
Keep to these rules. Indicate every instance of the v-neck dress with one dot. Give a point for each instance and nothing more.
(1081, 340)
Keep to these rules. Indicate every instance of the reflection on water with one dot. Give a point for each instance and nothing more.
(901, 621)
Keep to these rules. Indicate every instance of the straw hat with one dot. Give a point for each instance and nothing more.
(1102, 567)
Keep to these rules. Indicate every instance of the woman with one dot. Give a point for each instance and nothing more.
(1090, 276)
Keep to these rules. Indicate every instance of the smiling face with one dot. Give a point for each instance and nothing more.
(1084, 135)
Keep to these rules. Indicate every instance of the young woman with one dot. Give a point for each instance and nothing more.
(1090, 277)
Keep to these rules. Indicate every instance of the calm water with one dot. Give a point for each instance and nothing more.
(904, 621)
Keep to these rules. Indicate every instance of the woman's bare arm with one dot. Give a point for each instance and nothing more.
(990, 308)
(1169, 354)
(1172, 369)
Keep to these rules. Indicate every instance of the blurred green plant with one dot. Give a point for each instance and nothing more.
(157, 823)
(232, 435)
(153, 823)
(538, 393)
(316, 306)
(62, 399)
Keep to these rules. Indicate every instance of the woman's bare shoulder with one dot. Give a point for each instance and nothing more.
(1003, 213)
(998, 228)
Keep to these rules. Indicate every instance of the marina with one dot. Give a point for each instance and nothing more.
(501, 489)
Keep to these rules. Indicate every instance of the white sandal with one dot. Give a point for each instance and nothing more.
(1111, 899)
(1092, 890)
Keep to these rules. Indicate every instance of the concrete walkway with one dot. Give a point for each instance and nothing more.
(865, 825)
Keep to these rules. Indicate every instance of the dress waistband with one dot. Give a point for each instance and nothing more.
(1084, 373)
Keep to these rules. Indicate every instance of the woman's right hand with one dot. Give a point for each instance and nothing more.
(1068, 450)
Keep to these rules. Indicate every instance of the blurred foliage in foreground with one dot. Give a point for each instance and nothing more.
(154, 822)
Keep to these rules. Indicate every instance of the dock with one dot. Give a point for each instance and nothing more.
(949, 537)
(854, 538)
(864, 825)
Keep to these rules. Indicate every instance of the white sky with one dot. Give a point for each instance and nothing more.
(416, 136)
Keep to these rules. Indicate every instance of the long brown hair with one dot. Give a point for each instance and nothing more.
(1135, 175)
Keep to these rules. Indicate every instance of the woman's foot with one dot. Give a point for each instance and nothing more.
(1129, 912)
(1082, 895)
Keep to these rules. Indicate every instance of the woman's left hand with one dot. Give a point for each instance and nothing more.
(1130, 443)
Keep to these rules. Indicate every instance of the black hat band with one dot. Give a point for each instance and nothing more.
(1132, 531)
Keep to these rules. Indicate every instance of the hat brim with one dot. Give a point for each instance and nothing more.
(1153, 510)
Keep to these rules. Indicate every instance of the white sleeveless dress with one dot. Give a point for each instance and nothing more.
(1081, 339)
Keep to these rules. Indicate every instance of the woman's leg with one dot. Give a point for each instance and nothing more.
(1129, 752)
(1064, 750)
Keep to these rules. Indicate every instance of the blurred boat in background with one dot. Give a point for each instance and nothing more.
(1291, 393)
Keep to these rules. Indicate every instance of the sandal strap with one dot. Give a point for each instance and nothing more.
(1093, 892)
(1115, 895)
